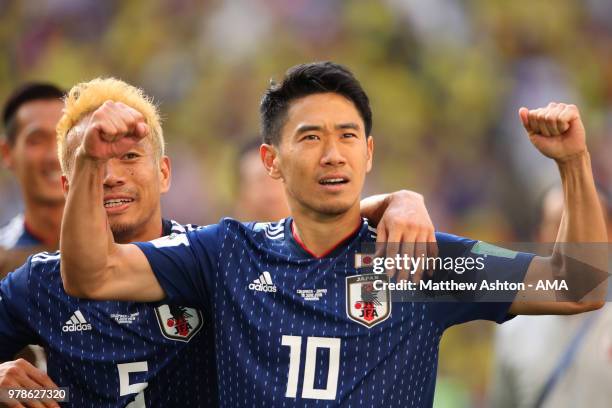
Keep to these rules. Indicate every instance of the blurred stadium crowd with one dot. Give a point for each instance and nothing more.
(446, 79)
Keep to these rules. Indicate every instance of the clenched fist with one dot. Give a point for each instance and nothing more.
(113, 129)
(555, 130)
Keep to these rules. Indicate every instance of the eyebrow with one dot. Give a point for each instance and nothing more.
(310, 128)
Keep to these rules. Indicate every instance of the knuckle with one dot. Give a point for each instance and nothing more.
(12, 369)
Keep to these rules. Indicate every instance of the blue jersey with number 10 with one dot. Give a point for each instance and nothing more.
(295, 330)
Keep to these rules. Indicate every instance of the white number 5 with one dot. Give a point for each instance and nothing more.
(125, 388)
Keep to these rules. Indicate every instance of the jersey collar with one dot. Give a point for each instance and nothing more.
(299, 248)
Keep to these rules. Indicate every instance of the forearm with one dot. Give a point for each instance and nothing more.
(580, 253)
(583, 219)
(85, 237)
(373, 207)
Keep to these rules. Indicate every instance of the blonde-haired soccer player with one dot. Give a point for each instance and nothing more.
(84, 98)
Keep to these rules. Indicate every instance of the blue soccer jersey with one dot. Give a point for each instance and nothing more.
(109, 354)
(15, 234)
(295, 330)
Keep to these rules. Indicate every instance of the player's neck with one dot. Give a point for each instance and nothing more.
(320, 234)
(44, 221)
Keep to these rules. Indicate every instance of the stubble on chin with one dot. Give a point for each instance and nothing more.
(122, 232)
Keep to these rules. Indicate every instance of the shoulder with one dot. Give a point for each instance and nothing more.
(12, 231)
(178, 228)
(44, 263)
(446, 238)
(252, 229)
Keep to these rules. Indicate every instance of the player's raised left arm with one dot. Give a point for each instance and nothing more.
(579, 256)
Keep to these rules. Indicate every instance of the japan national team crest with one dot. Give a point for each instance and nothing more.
(364, 304)
(178, 322)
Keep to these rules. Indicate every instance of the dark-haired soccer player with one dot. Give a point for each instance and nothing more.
(29, 150)
(286, 299)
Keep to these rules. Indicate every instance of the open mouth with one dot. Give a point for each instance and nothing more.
(333, 181)
(117, 202)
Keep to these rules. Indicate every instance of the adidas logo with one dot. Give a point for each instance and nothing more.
(263, 283)
(76, 323)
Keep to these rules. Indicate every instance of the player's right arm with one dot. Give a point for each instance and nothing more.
(92, 264)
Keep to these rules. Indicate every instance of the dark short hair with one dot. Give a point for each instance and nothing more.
(308, 79)
(27, 92)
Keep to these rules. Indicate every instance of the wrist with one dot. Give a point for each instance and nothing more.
(574, 162)
(404, 195)
(82, 157)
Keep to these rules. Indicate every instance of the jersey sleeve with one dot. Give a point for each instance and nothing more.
(185, 264)
(490, 265)
(14, 293)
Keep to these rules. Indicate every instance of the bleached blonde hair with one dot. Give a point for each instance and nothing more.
(86, 97)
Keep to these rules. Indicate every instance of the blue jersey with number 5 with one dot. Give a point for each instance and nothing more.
(109, 354)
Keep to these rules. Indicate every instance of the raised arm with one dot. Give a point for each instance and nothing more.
(92, 264)
(580, 253)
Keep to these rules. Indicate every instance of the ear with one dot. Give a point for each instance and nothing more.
(271, 160)
(5, 151)
(165, 171)
(65, 185)
(370, 153)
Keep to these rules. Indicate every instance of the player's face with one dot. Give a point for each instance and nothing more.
(133, 185)
(33, 157)
(324, 154)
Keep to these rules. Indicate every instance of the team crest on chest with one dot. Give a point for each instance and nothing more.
(364, 304)
(178, 322)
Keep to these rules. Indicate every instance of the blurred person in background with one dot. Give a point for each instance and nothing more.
(29, 150)
(259, 196)
(554, 361)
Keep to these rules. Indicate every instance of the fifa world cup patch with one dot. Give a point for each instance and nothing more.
(365, 304)
(178, 322)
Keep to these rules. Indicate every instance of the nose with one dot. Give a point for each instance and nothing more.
(114, 175)
(332, 156)
(50, 156)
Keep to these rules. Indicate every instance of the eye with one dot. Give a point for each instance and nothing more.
(348, 135)
(310, 137)
(130, 156)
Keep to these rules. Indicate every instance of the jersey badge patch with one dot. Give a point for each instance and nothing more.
(178, 322)
(364, 304)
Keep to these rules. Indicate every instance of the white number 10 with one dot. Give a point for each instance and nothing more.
(313, 343)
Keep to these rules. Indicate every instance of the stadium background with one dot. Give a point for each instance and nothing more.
(445, 79)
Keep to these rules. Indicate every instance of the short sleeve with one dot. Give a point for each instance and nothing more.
(14, 332)
(491, 267)
(185, 264)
